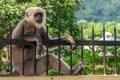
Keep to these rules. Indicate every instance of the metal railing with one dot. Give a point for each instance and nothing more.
(81, 43)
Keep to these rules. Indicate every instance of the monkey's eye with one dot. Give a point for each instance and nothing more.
(38, 17)
(38, 14)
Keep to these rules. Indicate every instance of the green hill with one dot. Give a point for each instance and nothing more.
(99, 10)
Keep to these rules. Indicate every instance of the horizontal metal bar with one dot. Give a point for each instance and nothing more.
(83, 42)
(15, 42)
(98, 43)
(60, 42)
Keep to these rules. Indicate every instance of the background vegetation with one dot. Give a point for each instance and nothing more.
(63, 13)
(99, 11)
(59, 14)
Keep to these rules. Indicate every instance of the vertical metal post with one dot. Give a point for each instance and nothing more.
(70, 53)
(0, 65)
(59, 46)
(93, 56)
(115, 52)
(23, 51)
(35, 56)
(82, 58)
(10, 52)
(82, 45)
(47, 57)
(59, 51)
(104, 59)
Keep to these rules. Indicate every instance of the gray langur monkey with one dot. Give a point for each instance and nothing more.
(34, 30)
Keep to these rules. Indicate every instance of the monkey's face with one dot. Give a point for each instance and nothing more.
(36, 16)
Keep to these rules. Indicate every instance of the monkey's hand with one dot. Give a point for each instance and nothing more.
(70, 40)
(39, 46)
(38, 50)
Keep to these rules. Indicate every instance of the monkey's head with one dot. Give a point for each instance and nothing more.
(36, 16)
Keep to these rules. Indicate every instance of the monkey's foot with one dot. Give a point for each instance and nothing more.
(79, 66)
(15, 73)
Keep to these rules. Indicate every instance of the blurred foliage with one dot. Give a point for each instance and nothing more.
(60, 13)
(98, 33)
(99, 10)
(98, 29)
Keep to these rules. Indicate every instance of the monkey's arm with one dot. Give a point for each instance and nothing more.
(17, 32)
(20, 32)
(67, 38)
(46, 36)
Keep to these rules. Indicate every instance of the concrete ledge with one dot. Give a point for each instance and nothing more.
(82, 77)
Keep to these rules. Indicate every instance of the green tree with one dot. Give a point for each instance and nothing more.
(99, 11)
(60, 13)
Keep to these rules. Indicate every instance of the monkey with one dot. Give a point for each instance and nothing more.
(33, 27)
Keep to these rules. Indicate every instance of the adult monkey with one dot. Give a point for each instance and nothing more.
(34, 30)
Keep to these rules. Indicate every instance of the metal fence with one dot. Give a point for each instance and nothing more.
(81, 43)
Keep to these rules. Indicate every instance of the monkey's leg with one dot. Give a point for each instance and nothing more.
(65, 68)
(53, 63)
(40, 66)
(79, 66)
(29, 67)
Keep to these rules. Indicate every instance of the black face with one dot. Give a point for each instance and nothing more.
(38, 17)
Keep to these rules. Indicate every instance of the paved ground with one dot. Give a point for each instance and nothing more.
(88, 77)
